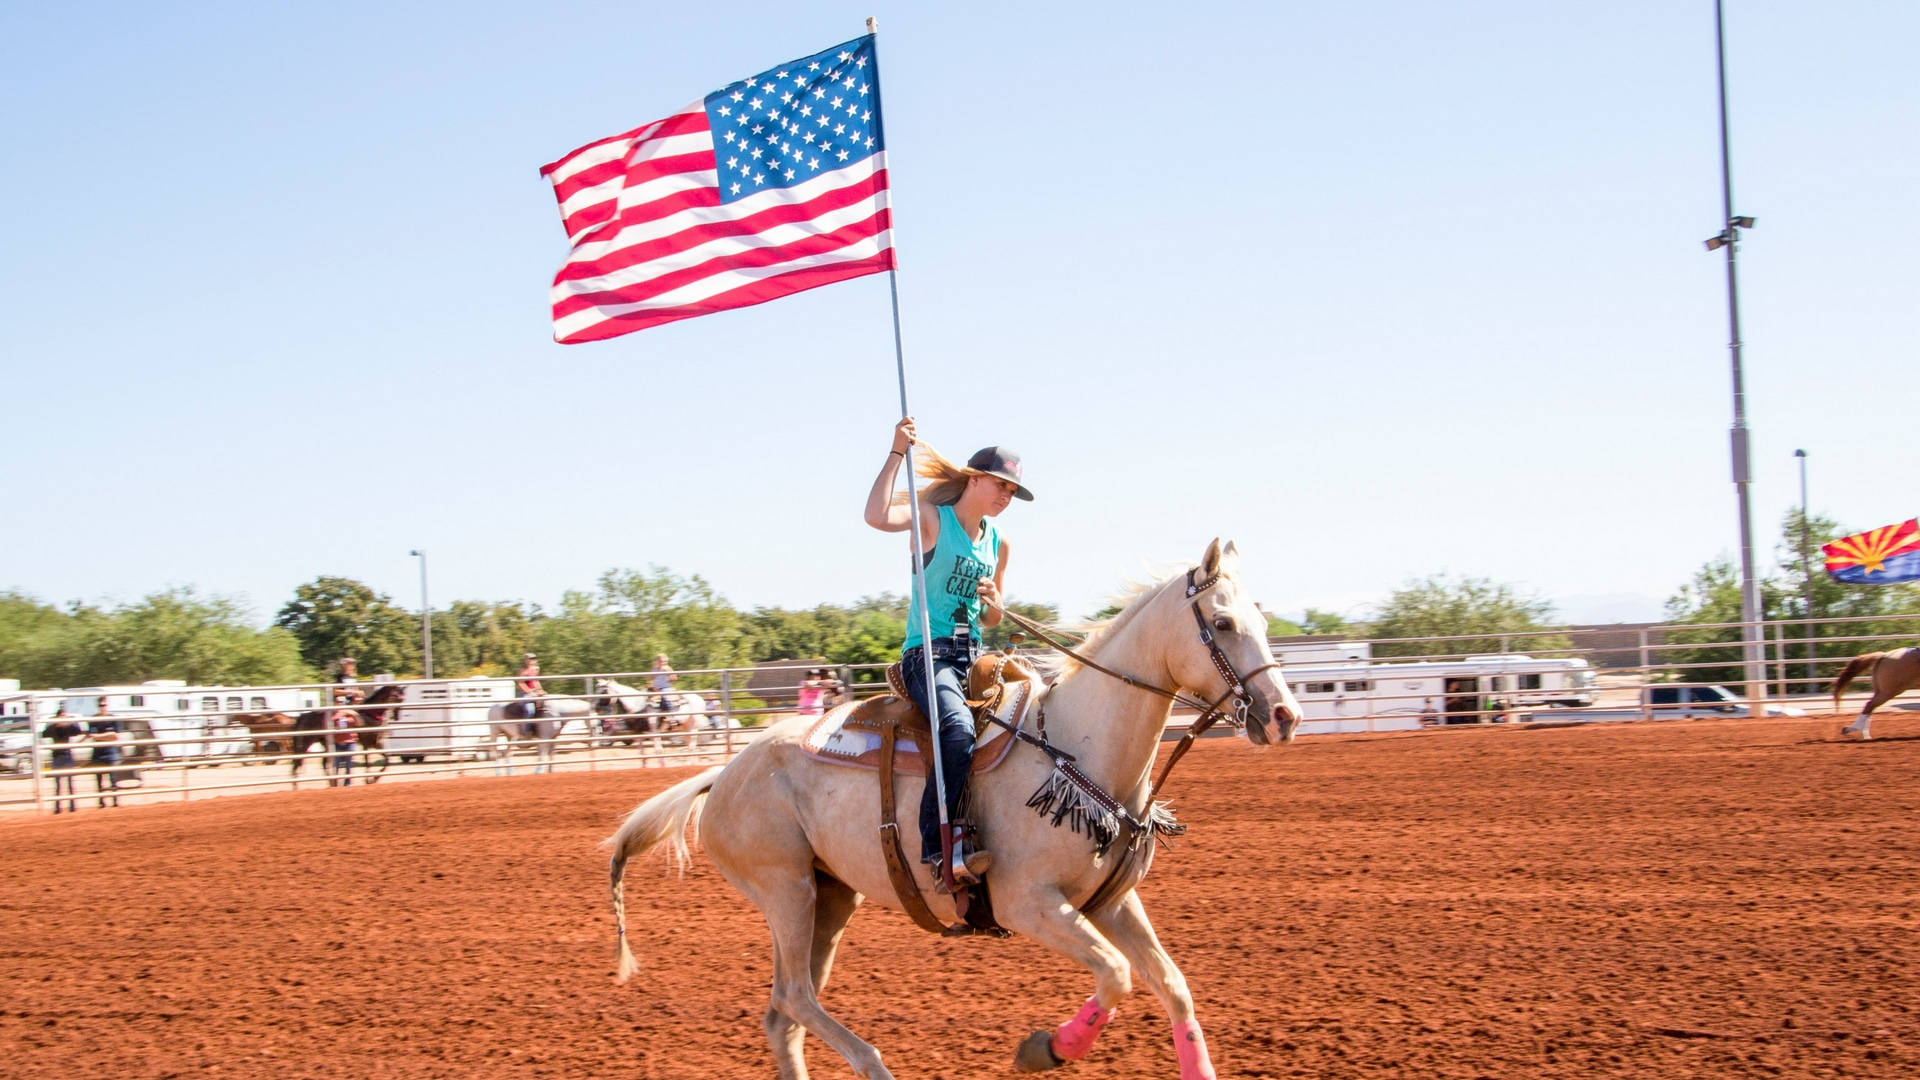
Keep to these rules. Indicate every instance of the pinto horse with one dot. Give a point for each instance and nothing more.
(510, 729)
(1893, 673)
(639, 709)
(797, 836)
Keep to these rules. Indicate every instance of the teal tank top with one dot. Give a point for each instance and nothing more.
(954, 571)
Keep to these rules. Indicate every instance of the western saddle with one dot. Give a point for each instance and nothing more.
(1000, 686)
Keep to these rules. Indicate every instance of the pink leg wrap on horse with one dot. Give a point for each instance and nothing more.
(1192, 1048)
(1075, 1037)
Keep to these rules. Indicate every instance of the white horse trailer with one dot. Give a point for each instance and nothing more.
(195, 721)
(19, 715)
(1376, 696)
(447, 716)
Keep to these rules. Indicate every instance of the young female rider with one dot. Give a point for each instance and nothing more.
(965, 560)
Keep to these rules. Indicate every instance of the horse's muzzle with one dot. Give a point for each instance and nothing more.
(1274, 727)
(1285, 722)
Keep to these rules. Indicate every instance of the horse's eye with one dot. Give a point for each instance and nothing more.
(1223, 623)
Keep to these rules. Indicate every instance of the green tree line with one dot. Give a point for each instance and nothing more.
(630, 616)
(621, 624)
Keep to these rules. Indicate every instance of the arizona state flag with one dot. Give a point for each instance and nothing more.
(1876, 557)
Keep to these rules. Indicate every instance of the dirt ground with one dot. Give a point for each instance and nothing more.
(1720, 898)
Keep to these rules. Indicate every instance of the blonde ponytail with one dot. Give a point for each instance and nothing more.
(945, 481)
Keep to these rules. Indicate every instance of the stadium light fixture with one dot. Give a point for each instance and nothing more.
(426, 615)
(1740, 440)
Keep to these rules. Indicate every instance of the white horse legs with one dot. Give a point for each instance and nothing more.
(1125, 924)
(1861, 728)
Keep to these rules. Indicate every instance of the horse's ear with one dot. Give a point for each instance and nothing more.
(1230, 559)
(1210, 562)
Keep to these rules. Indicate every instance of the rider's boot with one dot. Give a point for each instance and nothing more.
(969, 864)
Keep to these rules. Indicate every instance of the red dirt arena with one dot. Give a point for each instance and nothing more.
(1723, 898)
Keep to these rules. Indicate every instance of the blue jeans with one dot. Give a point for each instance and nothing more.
(955, 727)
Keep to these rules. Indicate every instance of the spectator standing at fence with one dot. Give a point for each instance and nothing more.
(813, 692)
(345, 736)
(103, 735)
(527, 686)
(349, 670)
(61, 731)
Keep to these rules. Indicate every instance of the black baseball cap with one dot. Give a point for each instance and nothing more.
(1003, 463)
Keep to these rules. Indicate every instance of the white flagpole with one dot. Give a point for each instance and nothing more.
(918, 611)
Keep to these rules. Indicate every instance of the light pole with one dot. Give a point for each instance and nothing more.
(426, 614)
(1729, 239)
(1806, 558)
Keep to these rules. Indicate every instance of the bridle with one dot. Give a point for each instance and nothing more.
(1236, 682)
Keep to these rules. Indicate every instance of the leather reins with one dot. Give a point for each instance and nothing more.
(1209, 713)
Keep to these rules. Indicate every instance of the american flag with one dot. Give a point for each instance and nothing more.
(770, 186)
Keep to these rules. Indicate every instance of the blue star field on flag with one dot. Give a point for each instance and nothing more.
(785, 125)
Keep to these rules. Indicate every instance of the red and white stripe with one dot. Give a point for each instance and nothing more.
(653, 243)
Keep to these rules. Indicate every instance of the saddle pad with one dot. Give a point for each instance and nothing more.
(832, 739)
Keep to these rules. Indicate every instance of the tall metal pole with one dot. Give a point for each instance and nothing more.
(919, 611)
(1742, 468)
(1806, 559)
(426, 614)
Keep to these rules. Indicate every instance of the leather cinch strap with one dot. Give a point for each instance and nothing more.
(899, 871)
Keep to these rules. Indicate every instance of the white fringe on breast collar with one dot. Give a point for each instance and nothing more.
(1070, 798)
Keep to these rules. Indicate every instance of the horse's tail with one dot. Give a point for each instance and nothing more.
(662, 819)
(1863, 662)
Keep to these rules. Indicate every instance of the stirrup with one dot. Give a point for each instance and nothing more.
(968, 868)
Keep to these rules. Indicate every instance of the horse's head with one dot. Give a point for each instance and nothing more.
(613, 698)
(1219, 639)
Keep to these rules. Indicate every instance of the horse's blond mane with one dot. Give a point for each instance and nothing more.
(1129, 598)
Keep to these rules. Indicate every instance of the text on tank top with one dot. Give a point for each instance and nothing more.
(953, 573)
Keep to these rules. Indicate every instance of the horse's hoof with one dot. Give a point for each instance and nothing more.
(1036, 1053)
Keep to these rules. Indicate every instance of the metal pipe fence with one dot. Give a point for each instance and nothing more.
(207, 751)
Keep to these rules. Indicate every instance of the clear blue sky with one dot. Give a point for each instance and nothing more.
(1377, 290)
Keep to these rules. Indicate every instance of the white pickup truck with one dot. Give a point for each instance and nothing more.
(1673, 702)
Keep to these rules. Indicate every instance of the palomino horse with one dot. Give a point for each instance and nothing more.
(509, 729)
(1893, 673)
(799, 837)
(639, 709)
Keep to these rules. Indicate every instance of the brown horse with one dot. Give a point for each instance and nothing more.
(309, 732)
(270, 732)
(389, 695)
(1893, 672)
